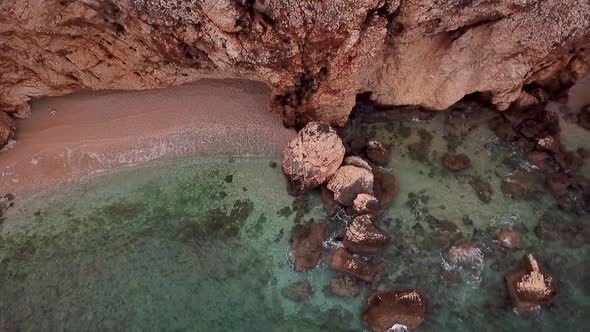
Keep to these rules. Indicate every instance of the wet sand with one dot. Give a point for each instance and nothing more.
(72, 136)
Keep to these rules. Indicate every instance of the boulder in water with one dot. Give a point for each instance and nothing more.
(344, 262)
(330, 204)
(403, 306)
(464, 254)
(377, 153)
(349, 181)
(311, 158)
(363, 236)
(385, 187)
(358, 162)
(521, 185)
(365, 204)
(344, 287)
(456, 162)
(298, 291)
(530, 287)
(307, 245)
(508, 237)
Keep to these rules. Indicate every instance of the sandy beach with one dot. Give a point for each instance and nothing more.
(72, 136)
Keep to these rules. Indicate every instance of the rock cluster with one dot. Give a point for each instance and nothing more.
(530, 287)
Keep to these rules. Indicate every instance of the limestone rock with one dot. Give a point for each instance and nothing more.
(363, 236)
(344, 287)
(403, 306)
(456, 162)
(298, 291)
(365, 204)
(349, 181)
(307, 245)
(530, 287)
(377, 153)
(7, 129)
(344, 262)
(311, 158)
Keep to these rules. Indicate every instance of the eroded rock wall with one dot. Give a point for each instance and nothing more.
(315, 54)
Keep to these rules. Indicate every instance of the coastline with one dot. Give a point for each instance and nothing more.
(80, 134)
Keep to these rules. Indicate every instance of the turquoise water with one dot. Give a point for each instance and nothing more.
(203, 244)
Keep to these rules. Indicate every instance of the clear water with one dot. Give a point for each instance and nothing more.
(203, 244)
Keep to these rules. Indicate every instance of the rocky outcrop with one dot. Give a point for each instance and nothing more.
(349, 181)
(530, 287)
(316, 55)
(307, 245)
(312, 157)
(403, 306)
(363, 236)
(344, 262)
(7, 129)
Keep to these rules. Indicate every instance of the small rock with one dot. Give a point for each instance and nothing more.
(7, 129)
(508, 237)
(298, 291)
(385, 187)
(365, 204)
(344, 262)
(529, 287)
(344, 287)
(548, 143)
(456, 162)
(558, 183)
(307, 245)
(348, 182)
(363, 236)
(311, 158)
(403, 306)
(521, 185)
(358, 162)
(377, 153)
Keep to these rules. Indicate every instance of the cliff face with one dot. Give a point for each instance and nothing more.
(315, 54)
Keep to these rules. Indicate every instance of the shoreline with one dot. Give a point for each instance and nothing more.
(87, 133)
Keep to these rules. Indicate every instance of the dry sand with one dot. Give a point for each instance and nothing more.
(72, 136)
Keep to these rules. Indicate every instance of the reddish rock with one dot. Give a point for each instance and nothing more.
(377, 153)
(363, 236)
(530, 287)
(456, 162)
(330, 204)
(365, 204)
(311, 158)
(538, 158)
(403, 306)
(344, 287)
(307, 245)
(7, 129)
(521, 185)
(558, 183)
(483, 189)
(358, 162)
(568, 161)
(348, 182)
(508, 237)
(385, 187)
(344, 262)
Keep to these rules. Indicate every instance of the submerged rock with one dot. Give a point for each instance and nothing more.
(539, 159)
(298, 291)
(568, 161)
(377, 153)
(385, 187)
(482, 188)
(403, 306)
(307, 245)
(344, 287)
(7, 129)
(330, 204)
(344, 262)
(311, 158)
(363, 236)
(365, 204)
(521, 185)
(558, 183)
(464, 254)
(456, 162)
(348, 182)
(508, 237)
(530, 287)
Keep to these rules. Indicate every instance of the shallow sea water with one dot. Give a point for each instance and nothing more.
(203, 244)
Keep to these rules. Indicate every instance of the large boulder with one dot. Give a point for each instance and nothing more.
(529, 287)
(344, 262)
(306, 246)
(7, 129)
(349, 181)
(365, 204)
(311, 158)
(363, 236)
(403, 306)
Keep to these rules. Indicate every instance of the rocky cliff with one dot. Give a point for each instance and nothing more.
(317, 55)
